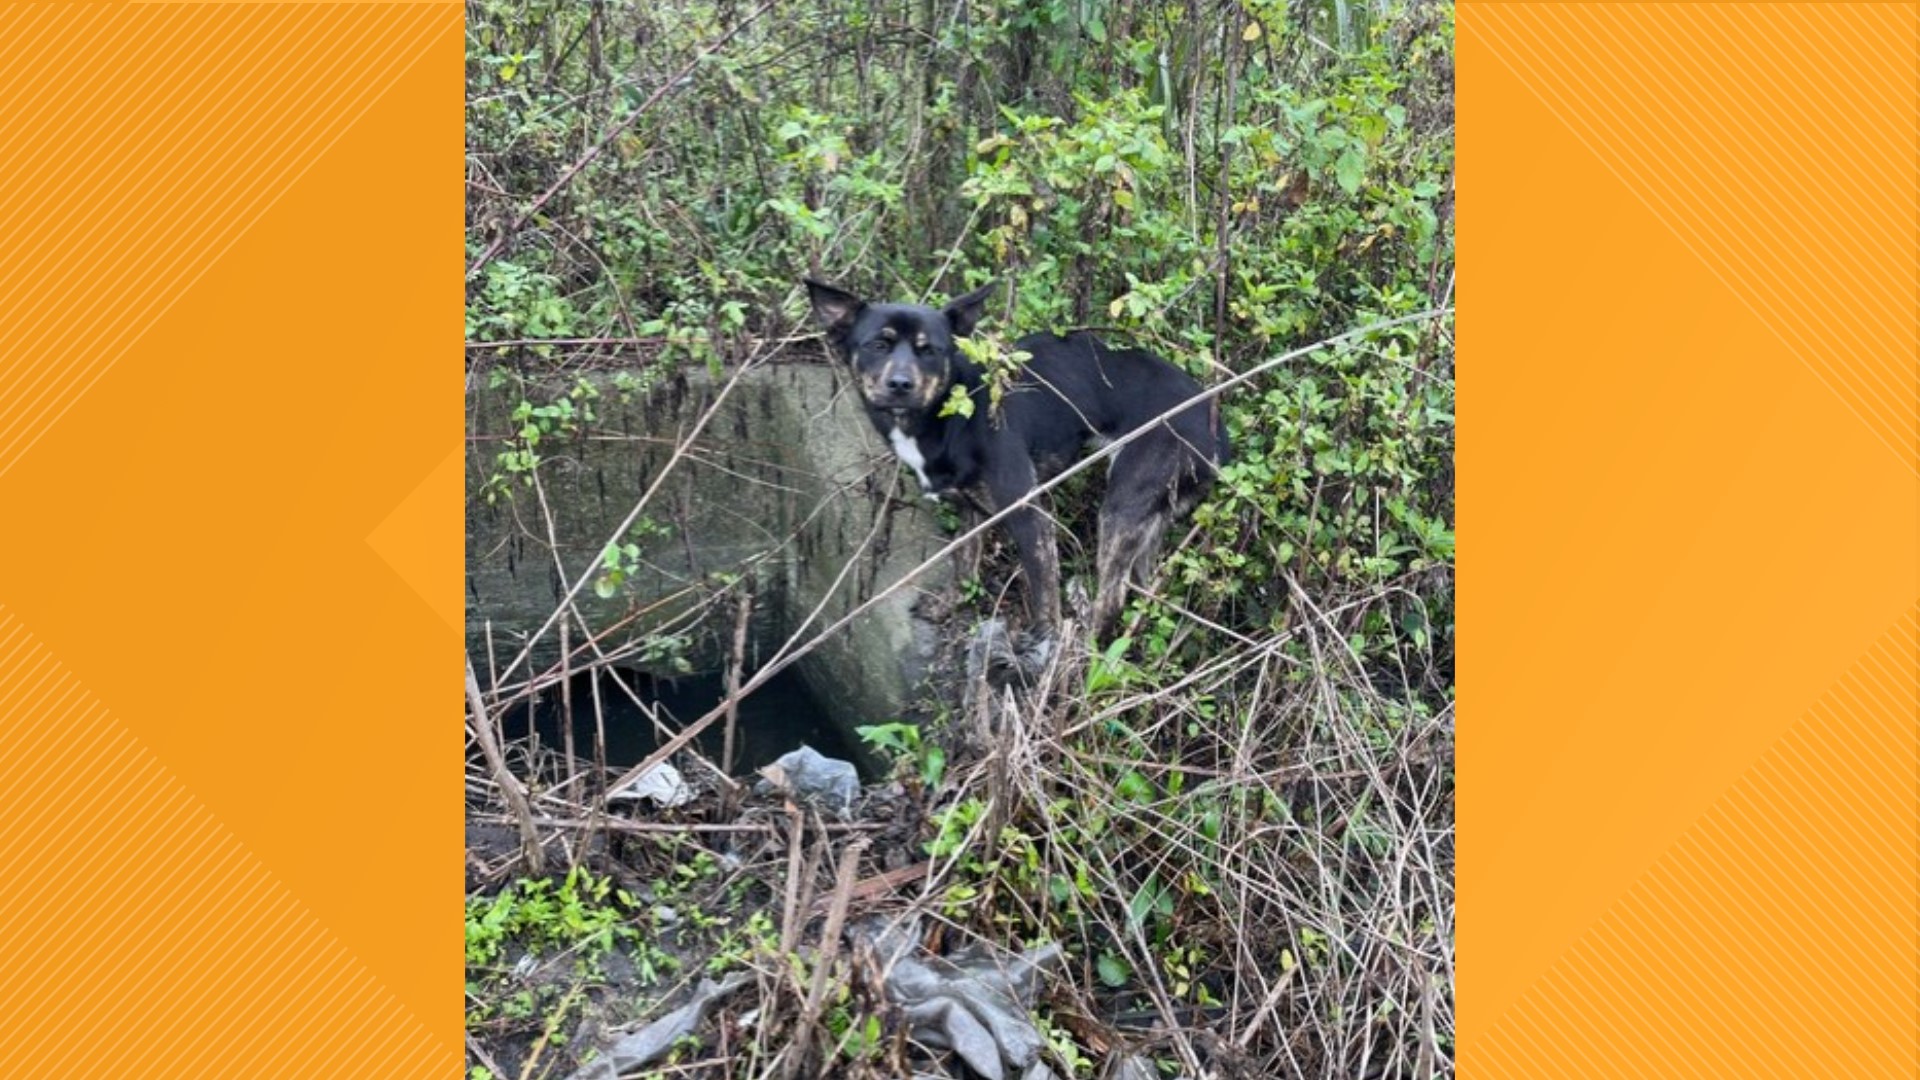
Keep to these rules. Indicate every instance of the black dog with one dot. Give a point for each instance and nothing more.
(1073, 393)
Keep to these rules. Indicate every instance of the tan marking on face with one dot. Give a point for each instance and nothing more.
(926, 387)
(874, 386)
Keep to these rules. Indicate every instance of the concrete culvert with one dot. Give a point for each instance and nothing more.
(781, 492)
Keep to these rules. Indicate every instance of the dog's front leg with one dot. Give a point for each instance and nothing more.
(1040, 563)
(1033, 534)
(966, 557)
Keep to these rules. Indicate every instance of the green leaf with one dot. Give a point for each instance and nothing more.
(1143, 901)
(1348, 170)
(1061, 888)
(1112, 970)
(958, 403)
(1210, 823)
(875, 734)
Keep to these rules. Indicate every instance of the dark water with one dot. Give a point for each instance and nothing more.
(773, 719)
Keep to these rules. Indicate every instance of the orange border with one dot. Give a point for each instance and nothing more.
(230, 581)
(1688, 531)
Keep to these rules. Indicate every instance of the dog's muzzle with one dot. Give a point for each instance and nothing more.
(897, 385)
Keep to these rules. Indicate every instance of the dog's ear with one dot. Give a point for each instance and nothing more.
(963, 312)
(834, 308)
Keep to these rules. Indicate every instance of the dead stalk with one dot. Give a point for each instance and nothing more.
(790, 913)
(516, 796)
(736, 660)
(827, 954)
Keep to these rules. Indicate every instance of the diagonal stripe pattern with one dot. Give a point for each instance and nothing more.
(143, 939)
(139, 142)
(1764, 136)
(1775, 938)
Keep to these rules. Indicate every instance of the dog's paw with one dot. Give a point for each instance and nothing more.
(990, 653)
(1038, 653)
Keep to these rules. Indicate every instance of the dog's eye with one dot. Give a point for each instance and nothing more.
(876, 346)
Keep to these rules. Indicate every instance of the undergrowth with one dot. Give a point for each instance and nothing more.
(1239, 818)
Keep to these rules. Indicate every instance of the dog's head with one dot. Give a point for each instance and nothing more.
(903, 355)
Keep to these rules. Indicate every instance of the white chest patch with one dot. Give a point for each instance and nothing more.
(909, 451)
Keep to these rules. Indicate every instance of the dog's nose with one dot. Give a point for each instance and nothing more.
(899, 383)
